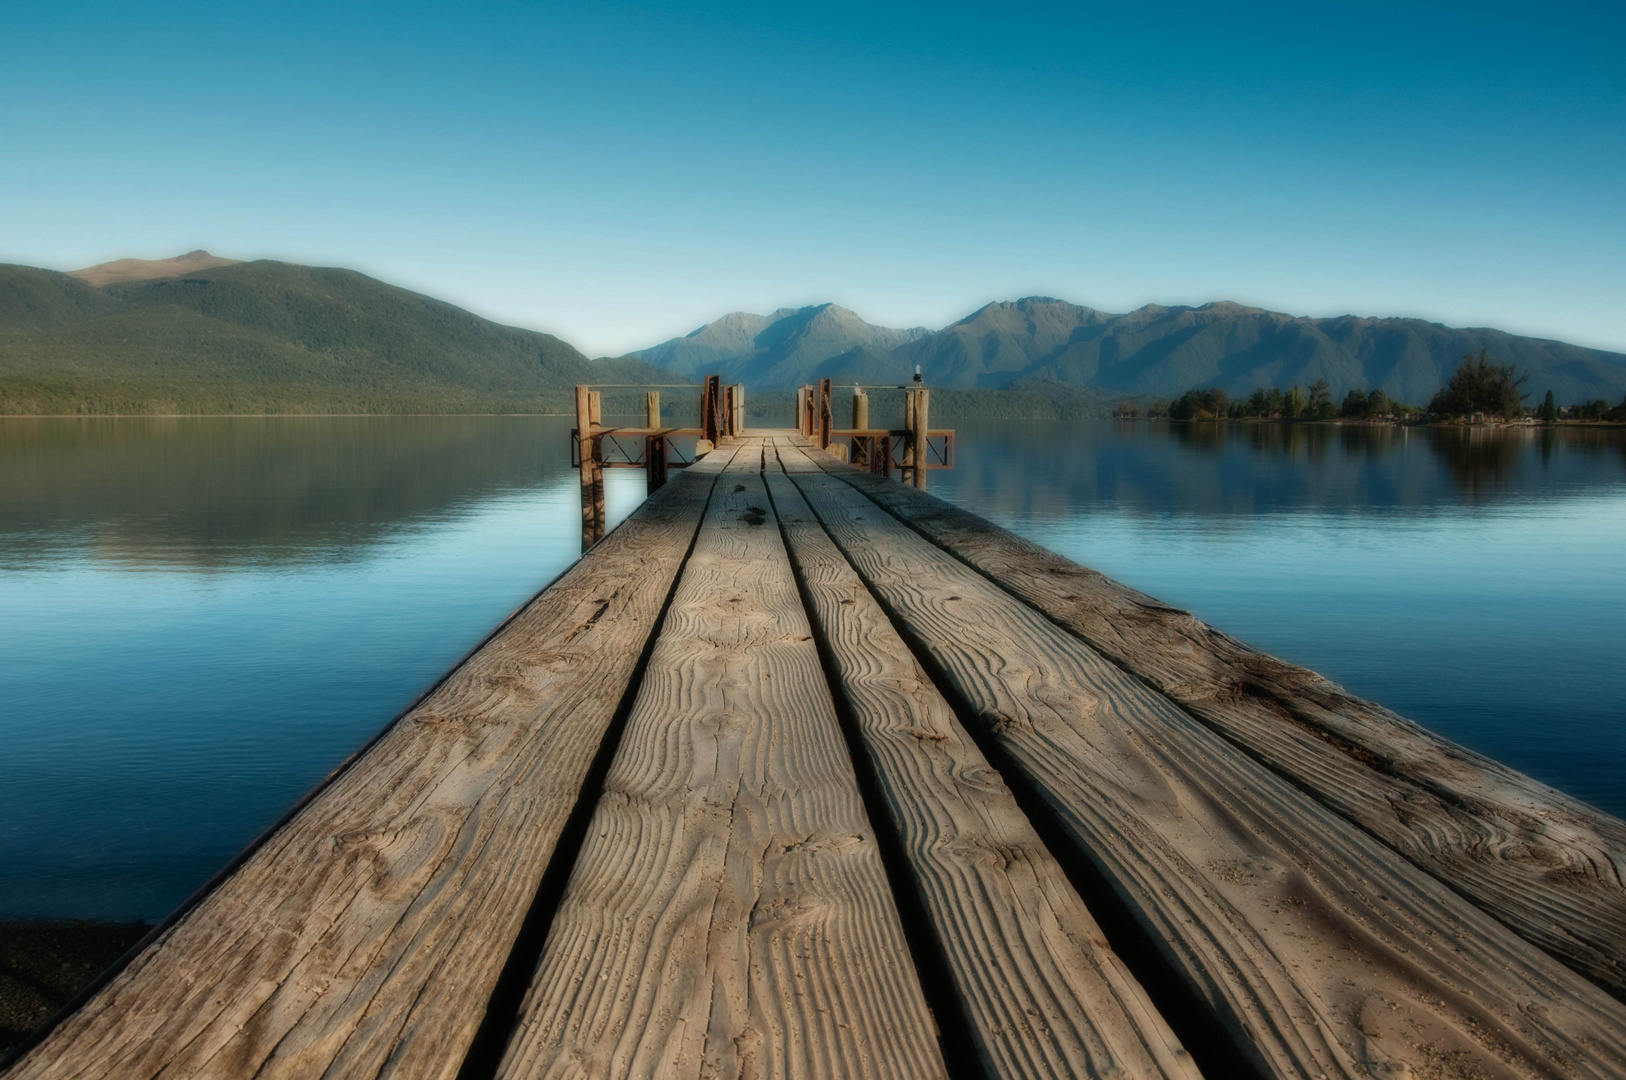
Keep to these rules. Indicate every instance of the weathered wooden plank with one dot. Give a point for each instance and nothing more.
(364, 937)
(1043, 992)
(1546, 864)
(729, 914)
(1319, 950)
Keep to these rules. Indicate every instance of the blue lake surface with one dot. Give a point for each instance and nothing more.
(200, 618)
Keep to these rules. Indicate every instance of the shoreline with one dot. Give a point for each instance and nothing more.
(1331, 422)
(1522, 425)
(45, 962)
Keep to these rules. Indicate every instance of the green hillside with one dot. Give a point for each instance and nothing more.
(272, 337)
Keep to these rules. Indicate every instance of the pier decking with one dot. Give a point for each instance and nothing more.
(802, 772)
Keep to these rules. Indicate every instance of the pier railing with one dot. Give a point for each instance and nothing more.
(907, 453)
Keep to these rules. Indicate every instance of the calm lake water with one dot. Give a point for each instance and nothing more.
(199, 618)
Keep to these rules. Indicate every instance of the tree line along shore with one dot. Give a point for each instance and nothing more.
(1480, 390)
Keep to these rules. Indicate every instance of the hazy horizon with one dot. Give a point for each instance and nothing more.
(619, 174)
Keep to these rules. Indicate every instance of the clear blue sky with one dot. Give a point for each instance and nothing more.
(618, 173)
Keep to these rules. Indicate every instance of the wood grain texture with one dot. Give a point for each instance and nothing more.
(1321, 952)
(729, 914)
(1043, 992)
(1547, 865)
(363, 938)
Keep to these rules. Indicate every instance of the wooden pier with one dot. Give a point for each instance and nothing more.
(802, 772)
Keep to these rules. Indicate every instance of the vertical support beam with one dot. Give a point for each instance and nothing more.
(655, 461)
(923, 401)
(598, 487)
(863, 445)
(906, 470)
(824, 413)
(801, 409)
(812, 411)
(883, 456)
(595, 415)
(710, 405)
(729, 430)
(739, 408)
(584, 450)
(652, 409)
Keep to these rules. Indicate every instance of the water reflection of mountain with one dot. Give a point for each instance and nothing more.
(1052, 470)
(217, 491)
(212, 491)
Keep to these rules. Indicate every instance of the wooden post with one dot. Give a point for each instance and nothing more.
(808, 426)
(739, 408)
(801, 409)
(655, 461)
(598, 488)
(863, 446)
(584, 448)
(595, 415)
(905, 471)
(652, 409)
(825, 406)
(883, 456)
(728, 412)
(710, 406)
(923, 401)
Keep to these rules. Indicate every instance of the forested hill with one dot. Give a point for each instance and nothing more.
(272, 337)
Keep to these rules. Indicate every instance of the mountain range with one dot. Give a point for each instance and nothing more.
(1152, 351)
(203, 334)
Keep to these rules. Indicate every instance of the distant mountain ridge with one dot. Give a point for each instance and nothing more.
(146, 269)
(1150, 352)
(781, 350)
